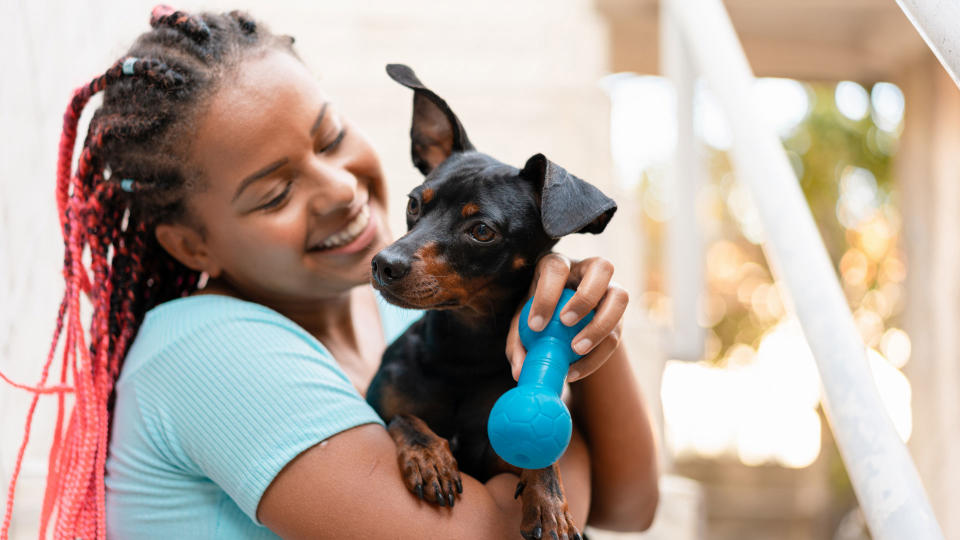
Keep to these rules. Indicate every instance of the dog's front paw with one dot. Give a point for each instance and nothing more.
(544, 506)
(428, 467)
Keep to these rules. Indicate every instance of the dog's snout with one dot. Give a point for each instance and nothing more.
(388, 267)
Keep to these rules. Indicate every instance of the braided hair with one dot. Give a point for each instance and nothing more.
(130, 177)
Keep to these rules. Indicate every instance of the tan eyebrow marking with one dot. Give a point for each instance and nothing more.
(519, 262)
(427, 195)
(469, 209)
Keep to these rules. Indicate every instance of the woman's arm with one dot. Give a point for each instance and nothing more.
(350, 486)
(610, 411)
(606, 402)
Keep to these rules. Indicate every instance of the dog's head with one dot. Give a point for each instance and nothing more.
(476, 226)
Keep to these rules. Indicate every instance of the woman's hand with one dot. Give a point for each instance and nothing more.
(594, 291)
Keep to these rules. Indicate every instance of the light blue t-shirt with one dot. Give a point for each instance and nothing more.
(215, 397)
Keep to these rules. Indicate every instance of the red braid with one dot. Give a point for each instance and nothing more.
(80, 451)
(134, 134)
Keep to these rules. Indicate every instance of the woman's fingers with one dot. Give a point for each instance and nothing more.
(594, 276)
(606, 319)
(514, 350)
(597, 357)
(549, 279)
(594, 291)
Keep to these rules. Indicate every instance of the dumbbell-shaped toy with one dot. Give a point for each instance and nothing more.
(529, 426)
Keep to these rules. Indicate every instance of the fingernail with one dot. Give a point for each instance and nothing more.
(537, 323)
(582, 346)
(569, 318)
(573, 375)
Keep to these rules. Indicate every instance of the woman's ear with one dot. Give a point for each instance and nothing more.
(186, 245)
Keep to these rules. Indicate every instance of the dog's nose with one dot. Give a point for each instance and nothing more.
(387, 267)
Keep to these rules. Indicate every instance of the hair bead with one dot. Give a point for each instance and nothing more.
(129, 64)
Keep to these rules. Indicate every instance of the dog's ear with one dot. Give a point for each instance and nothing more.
(567, 203)
(435, 132)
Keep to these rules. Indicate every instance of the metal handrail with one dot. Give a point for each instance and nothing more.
(883, 475)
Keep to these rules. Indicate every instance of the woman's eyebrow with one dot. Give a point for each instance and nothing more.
(319, 120)
(280, 162)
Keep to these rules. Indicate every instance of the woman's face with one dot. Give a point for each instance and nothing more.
(293, 208)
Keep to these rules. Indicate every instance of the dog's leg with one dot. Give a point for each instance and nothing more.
(545, 513)
(428, 467)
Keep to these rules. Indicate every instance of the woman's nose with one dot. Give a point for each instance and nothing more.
(334, 187)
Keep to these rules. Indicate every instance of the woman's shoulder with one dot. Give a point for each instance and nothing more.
(181, 313)
(202, 327)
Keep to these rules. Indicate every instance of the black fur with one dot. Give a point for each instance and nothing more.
(475, 229)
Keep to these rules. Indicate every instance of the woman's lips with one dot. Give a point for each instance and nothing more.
(358, 242)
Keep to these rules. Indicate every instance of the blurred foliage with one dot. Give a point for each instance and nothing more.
(832, 141)
(821, 148)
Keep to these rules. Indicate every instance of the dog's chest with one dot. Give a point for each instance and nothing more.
(455, 403)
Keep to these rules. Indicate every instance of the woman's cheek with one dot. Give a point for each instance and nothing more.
(265, 248)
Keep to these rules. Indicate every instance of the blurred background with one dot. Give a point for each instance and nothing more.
(871, 125)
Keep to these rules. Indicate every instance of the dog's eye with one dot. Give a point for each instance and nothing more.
(482, 233)
(413, 206)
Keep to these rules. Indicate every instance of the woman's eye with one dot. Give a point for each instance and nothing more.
(332, 145)
(278, 200)
(482, 233)
(413, 206)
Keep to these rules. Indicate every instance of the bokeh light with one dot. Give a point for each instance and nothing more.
(887, 100)
(784, 102)
(852, 100)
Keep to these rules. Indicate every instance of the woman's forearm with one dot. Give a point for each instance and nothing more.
(610, 411)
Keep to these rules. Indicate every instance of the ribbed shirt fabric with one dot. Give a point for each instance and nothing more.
(215, 397)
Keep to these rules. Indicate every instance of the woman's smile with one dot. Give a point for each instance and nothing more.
(353, 237)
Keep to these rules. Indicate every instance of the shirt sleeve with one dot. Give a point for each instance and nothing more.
(238, 399)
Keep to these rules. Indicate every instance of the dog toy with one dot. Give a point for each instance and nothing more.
(529, 426)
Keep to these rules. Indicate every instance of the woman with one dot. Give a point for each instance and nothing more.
(216, 157)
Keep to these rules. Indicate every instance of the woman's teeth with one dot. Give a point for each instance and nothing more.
(350, 232)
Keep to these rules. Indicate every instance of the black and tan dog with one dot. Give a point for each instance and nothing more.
(475, 230)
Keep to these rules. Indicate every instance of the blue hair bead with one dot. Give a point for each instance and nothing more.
(128, 65)
(126, 184)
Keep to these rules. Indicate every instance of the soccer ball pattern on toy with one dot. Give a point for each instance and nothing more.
(529, 429)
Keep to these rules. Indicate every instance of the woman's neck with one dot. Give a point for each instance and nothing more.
(348, 325)
(339, 318)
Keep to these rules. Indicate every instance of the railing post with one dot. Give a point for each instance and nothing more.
(685, 173)
(938, 23)
(881, 471)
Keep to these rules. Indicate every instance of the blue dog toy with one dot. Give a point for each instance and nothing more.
(529, 426)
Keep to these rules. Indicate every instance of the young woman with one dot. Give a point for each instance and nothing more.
(235, 409)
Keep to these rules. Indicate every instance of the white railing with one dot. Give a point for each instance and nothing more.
(937, 23)
(882, 473)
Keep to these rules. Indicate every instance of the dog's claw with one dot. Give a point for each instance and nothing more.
(459, 486)
(554, 535)
(537, 533)
(438, 494)
(420, 491)
(520, 486)
(450, 499)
